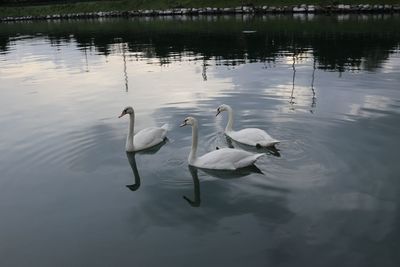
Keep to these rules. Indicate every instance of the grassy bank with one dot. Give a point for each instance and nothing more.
(125, 5)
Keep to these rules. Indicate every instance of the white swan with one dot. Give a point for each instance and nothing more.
(248, 136)
(221, 159)
(145, 138)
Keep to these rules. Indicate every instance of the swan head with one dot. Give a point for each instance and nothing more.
(189, 121)
(127, 110)
(221, 108)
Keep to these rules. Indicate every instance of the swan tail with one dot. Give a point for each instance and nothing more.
(275, 142)
(281, 141)
(165, 127)
(268, 144)
(256, 156)
(248, 161)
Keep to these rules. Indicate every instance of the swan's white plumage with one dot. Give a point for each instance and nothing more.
(149, 137)
(222, 159)
(247, 136)
(252, 137)
(226, 159)
(145, 138)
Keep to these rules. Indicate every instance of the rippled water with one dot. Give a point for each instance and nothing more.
(327, 86)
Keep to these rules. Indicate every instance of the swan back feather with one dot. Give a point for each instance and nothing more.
(252, 137)
(148, 137)
(226, 159)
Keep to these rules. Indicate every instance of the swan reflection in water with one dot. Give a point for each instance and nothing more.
(222, 174)
(132, 161)
(196, 183)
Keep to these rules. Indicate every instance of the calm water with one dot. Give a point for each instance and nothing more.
(327, 86)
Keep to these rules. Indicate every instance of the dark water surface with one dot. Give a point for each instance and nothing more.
(327, 86)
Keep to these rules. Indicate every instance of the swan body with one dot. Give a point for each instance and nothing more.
(145, 138)
(252, 137)
(221, 159)
(248, 136)
(225, 159)
(148, 137)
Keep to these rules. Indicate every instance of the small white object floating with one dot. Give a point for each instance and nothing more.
(249, 31)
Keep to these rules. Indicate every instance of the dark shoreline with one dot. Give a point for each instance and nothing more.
(248, 10)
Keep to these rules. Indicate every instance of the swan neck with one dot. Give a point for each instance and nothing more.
(129, 139)
(193, 152)
(229, 125)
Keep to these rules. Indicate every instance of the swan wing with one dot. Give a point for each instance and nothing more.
(252, 137)
(148, 137)
(226, 159)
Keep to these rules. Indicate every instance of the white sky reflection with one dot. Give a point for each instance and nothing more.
(68, 73)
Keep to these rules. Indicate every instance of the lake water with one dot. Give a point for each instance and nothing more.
(327, 86)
